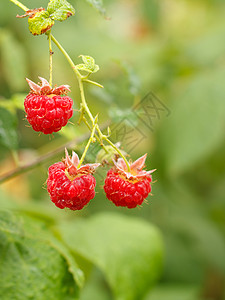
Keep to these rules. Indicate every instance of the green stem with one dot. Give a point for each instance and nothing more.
(84, 103)
(96, 136)
(87, 146)
(79, 78)
(83, 100)
(66, 55)
(23, 7)
(118, 150)
(50, 57)
(93, 82)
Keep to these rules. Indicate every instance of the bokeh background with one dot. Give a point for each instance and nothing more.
(172, 49)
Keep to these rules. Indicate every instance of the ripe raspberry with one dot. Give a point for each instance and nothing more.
(69, 186)
(47, 110)
(128, 188)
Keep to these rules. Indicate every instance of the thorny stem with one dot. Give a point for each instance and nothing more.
(85, 107)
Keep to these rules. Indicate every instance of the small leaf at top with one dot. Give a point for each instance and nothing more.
(88, 61)
(60, 10)
(40, 23)
(89, 64)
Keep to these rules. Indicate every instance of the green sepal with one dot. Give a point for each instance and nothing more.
(60, 10)
(40, 22)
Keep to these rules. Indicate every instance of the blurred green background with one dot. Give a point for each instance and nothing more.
(174, 49)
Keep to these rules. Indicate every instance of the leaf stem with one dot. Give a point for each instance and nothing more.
(93, 82)
(19, 4)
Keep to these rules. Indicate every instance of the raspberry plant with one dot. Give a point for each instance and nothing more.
(41, 249)
(70, 183)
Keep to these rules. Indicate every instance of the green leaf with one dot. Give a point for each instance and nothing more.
(88, 61)
(89, 64)
(8, 129)
(98, 5)
(33, 264)
(40, 23)
(60, 10)
(196, 126)
(127, 250)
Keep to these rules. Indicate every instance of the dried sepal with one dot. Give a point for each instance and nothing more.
(45, 89)
(136, 168)
(71, 165)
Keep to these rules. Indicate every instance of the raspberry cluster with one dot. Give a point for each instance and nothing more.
(73, 186)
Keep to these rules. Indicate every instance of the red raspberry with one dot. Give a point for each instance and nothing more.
(47, 110)
(128, 188)
(70, 186)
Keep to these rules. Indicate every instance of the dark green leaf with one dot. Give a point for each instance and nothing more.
(60, 10)
(127, 250)
(196, 125)
(40, 23)
(33, 264)
(8, 129)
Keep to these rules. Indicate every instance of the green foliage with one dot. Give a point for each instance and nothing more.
(60, 10)
(199, 111)
(40, 23)
(127, 250)
(33, 264)
(8, 125)
(160, 49)
(88, 65)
